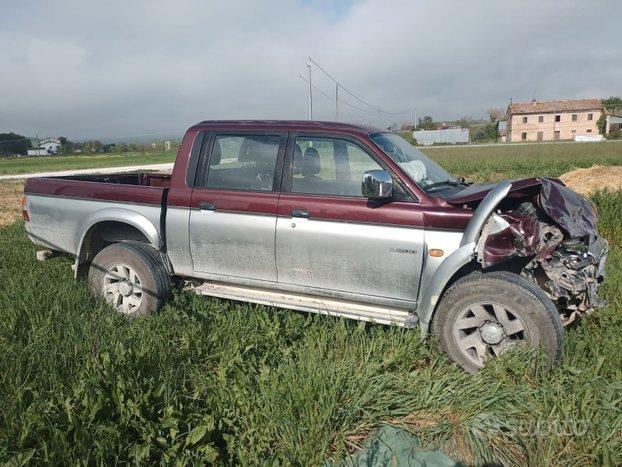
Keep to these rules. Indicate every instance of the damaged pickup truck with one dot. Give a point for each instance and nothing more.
(335, 219)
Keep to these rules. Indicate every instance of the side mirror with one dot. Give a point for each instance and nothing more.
(377, 184)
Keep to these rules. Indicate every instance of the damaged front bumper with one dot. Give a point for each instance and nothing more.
(551, 239)
(572, 276)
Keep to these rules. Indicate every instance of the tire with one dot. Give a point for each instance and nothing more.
(483, 314)
(131, 277)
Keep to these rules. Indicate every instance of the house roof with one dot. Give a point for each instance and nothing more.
(50, 140)
(564, 105)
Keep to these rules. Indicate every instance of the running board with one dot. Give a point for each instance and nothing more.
(324, 306)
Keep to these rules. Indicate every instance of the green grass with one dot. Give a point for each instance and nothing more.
(493, 163)
(207, 379)
(44, 164)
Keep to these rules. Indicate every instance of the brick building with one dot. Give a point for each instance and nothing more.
(552, 120)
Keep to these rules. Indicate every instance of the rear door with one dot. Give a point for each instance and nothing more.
(330, 238)
(234, 205)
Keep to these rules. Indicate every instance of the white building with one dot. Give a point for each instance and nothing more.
(444, 136)
(46, 147)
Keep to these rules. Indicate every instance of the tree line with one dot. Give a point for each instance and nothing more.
(14, 144)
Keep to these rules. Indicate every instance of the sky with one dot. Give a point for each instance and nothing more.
(115, 69)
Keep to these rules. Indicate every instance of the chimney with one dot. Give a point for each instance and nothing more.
(533, 102)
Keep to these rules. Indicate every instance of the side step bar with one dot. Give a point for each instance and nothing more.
(324, 306)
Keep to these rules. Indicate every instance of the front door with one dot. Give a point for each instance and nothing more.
(234, 204)
(329, 237)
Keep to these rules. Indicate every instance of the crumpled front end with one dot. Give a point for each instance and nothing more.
(552, 239)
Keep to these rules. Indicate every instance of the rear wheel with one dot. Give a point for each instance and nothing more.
(131, 277)
(482, 316)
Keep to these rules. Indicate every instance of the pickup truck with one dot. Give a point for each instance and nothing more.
(336, 219)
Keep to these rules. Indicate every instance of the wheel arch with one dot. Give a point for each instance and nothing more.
(461, 261)
(109, 226)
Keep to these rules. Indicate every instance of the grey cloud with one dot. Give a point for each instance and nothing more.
(119, 68)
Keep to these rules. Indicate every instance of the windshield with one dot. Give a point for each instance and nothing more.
(419, 167)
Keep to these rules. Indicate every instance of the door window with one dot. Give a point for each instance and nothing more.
(329, 166)
(243, 162)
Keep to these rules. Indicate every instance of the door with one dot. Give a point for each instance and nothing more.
(330, 238)
(234, 204)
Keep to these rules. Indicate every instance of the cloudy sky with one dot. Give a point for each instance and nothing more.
(114, 68)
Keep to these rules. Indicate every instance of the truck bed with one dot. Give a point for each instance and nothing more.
(61, 209)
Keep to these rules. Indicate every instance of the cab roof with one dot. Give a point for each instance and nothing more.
(292, 125)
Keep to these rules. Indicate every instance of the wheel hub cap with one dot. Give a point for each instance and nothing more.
(485, 330)
(122, 288)
(492, 333)
(125, 288)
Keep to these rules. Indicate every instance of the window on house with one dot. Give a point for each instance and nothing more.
(575, 117)
(558, 118)
(524, 119)
(590, 116)
(573, 131)
(556, 136)
(540, 136)
(541, 119)
(589, 131)
(523, 136)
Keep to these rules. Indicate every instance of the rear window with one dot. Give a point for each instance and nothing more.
(243, 162)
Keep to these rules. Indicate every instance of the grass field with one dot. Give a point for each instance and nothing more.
(47, 164)
(234, 383)
(493, 163)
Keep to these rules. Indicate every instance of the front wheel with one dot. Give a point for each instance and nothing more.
(131, 277)
(483, 315)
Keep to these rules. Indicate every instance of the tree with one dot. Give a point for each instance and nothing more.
(601, 123)
(12, 144)
(495, 114)
(487, 132)
(92, 146)
(613, 105)
(66, 146)
(426, 123)
(612, 101)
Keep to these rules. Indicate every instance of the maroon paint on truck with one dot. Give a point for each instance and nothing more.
(251, 202)
(348, 209)
(93, 190)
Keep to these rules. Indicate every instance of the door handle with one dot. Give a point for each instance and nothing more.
(300, 213)
(207, 206)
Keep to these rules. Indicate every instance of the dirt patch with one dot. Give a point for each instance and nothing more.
(10, 201)
(586, 181)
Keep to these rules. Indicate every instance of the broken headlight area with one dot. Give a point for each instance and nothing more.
(555, 236)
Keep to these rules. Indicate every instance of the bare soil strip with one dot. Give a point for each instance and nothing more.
(10, 201)
(598, 177)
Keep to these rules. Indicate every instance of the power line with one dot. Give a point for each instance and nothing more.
(338, 83)
(332, 99)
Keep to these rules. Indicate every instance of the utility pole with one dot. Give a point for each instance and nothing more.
(415, 118)
(337, 102)
(310, 91)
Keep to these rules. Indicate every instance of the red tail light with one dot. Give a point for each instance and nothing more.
(24, 211)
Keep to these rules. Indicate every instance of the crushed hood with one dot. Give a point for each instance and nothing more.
(575, 214)
(478, 192)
